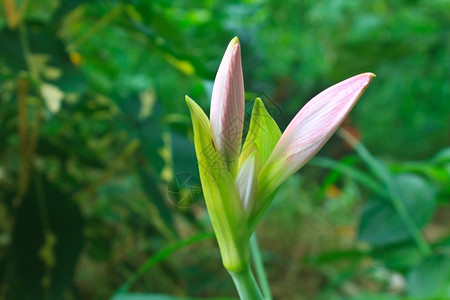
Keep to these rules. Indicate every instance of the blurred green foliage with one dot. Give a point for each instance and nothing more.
(98, 172)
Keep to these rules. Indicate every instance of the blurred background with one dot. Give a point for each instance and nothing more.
(99, 188)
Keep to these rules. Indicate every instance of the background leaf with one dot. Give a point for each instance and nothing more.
(381, 224)
(431, 278)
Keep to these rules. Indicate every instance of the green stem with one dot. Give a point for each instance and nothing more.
(246, 284)
(379, 170)
(259, 267)
(421, 243)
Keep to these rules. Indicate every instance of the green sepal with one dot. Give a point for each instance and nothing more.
(221, 196)
(263, 134)
(260, 209)
(270, 177)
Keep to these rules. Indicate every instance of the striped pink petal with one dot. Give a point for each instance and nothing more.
(317, 121)
(227, 105)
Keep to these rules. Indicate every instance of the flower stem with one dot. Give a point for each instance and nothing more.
(246, 284)
(379, 170)
(259, 268)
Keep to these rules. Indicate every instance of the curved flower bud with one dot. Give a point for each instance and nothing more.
(307, 133)
(228, 106)
(318, 120)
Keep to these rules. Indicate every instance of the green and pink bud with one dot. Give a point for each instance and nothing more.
(239, 186)
(228, 105)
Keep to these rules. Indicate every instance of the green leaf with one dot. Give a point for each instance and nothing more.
(377, 296)
(48, 51)
(431, 278)
(160, 256)
(262, 137)
(381, 224)
(263, 134)
(377, 167)
(335, 256)
(222, 199)
(46, 243)
(141, 296)
(398, 257)
(442, 157)
(183, 155)
(351, 172)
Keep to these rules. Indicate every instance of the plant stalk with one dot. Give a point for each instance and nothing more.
(246, 284)
(259, 268)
